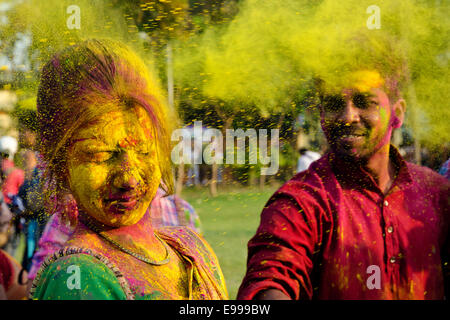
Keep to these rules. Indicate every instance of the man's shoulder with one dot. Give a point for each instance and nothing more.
(315, 179)
(426, 177)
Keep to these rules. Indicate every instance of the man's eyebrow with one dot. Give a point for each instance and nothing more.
(335, 96)
(365, 94)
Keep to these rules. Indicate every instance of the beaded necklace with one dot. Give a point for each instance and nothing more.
(134, 254)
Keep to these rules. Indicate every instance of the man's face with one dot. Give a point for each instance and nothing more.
(357, 122)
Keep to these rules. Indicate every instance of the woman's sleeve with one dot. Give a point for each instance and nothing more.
(53, 238)
(77, 277)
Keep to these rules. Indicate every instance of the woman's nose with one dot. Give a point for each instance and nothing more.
(127, 176)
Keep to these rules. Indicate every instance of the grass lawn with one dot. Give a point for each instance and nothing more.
(228, 222)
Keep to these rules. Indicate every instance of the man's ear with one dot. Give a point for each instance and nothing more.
(398, 113)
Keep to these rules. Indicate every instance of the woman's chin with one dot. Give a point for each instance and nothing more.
(119, 219)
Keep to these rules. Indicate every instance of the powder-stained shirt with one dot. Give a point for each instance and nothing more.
(331, 233)
(101, 277)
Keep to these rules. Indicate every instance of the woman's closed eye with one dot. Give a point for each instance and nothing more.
(100, 156)
(144, 152)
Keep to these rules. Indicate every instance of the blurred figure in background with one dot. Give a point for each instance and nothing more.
(9, 267)
(11, 178)
(30, 192)
(5, 223)
(306, 158)
(445, 169)
(10, 287)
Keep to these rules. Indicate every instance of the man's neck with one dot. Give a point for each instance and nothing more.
(381, 168)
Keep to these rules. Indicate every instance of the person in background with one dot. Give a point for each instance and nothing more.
(5, 222)
(10, 287)
(306, 158)
(12, 177)
(30, 193)
(11, 180)
(445, 169)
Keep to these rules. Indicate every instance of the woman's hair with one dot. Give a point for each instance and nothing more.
(100, 73)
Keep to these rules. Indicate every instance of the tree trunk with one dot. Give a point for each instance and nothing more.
(215, 167)
(262, 181)
(170, 87)
(180, 180)
(213, 184)
(178, 188)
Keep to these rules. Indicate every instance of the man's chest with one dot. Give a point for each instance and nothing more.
(395, 236)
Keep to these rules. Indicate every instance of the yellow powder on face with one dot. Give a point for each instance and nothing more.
(109, 152)
(364, 80)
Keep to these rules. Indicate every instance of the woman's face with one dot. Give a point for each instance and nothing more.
(113, 168)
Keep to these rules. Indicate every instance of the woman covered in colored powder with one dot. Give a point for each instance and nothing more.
(105, 138)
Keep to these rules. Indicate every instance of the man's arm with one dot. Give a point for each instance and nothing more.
(271, 294)
(3, 293)
(280, 254)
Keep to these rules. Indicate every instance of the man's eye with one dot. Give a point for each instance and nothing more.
(333, 103)
(362, 102)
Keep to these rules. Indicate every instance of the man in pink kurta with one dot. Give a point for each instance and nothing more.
(322, 230)
(360, 223)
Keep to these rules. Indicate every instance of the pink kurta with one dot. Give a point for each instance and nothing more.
(330, 231)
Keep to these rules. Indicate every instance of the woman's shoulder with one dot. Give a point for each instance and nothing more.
(81, 274)
(184, 238)
(194, 247)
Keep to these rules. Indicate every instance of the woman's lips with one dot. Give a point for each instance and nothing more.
(121, 204)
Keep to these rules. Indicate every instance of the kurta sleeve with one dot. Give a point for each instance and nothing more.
(445, 253)
(280, 255)
(77, 277)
